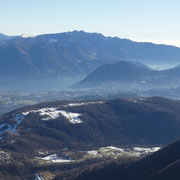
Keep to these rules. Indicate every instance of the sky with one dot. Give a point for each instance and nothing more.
(140, 20)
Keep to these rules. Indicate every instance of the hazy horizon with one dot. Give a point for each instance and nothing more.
(149, 21)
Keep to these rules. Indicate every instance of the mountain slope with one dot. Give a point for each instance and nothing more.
(171, 171)
(5, 37)
(2, 36)
(127, 73)
(52, 137)
(90, 124)
(73, 54)
(161, 165)
(121, 71)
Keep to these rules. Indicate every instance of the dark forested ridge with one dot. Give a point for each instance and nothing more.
(112, 122)
(161, 165)
(72, 128)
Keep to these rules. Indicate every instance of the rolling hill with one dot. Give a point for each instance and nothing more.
(137, 76)
(91, 124)
(54, 137)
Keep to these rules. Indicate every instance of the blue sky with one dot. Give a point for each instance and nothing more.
(141, 20)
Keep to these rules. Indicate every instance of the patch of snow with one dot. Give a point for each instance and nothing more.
(19, 118)
(106, 151)
(93, 152)
(53, 113)
(111, 148)
(10, 128)
(38, 177)
(72, 117)
(118, 152)
(28, 36)
(56, 159)
(84, 103)
(43, 153)
(146, 150)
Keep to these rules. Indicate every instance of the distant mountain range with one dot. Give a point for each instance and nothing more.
(71, 55)
(123, 73)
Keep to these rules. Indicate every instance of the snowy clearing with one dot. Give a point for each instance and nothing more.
(72, 117)
(54, 113)
(56, 159)
(118, 152)
(38, 177)
(146, 150)
(84, 103)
